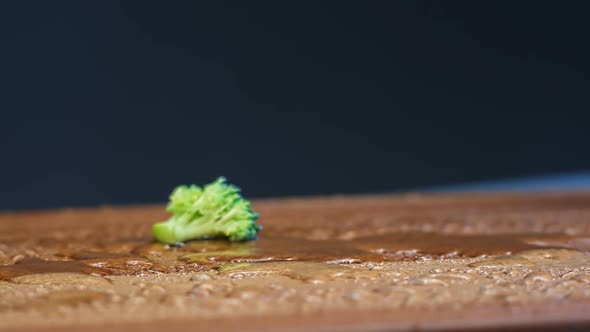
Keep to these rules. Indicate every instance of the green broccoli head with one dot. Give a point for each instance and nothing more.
(216, 210)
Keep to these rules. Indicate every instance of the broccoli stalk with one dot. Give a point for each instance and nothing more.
(216, 210)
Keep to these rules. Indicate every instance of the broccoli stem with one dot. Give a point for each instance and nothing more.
(164, 232)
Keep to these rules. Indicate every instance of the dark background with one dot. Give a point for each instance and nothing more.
(109, 102)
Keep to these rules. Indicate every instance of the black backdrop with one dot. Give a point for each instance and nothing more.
(113, 102)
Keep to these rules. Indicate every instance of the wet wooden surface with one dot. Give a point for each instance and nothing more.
(391, 261)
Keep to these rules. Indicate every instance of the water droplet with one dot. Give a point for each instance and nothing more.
(201, 277)
(17, 258)
(345, 261)
(584, 277)
(354, 295)
(213, 288)
(427, 281)
(539, 276)
(452, 277)
(504, 261)
(63, 278)
(153, 290)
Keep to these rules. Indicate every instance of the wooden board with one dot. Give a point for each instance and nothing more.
(364, 263)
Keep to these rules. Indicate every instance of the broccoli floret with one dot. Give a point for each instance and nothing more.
(216, 210)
